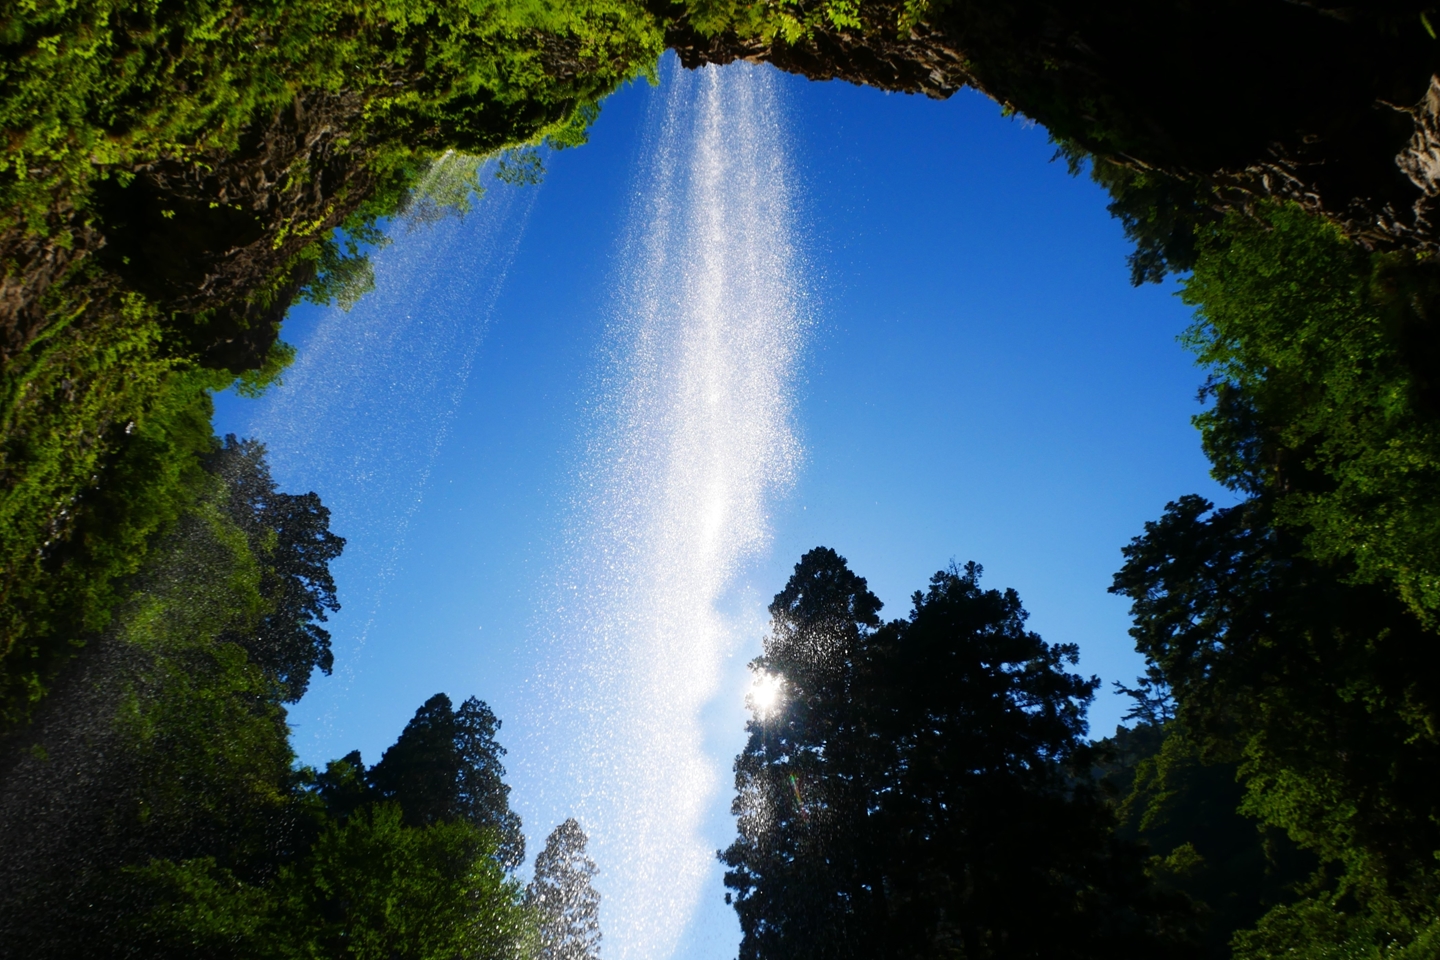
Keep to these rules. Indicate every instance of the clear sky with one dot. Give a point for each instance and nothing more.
(981, 382)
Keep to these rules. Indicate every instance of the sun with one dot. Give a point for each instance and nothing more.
(766, 693)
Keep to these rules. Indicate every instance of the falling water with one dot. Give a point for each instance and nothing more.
(692, 443)
(364, 411)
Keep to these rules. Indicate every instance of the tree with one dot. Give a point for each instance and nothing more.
(922, 788)
(240, 855)
(1319, 690)
(446, 766)
(1233, 867)
(165, 742)
(565, 901)
(369, 887)
(1317, 352)
(794, 867)
(290, 535)
(140, 279)
(375, 887)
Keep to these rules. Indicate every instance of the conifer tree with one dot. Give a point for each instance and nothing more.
(446, 766)
(921, 788)
(563, 897)
(290, 537)
(796, 864)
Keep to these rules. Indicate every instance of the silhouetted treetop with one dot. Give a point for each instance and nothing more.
(446, 766)
(290, 537)
(564, 897)
(921, 788)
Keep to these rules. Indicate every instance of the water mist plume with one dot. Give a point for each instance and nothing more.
(363, 412)
(692, 443)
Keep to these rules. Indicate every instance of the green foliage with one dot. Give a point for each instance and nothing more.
(93, 89)
(446, 766)
(173, 741)
(289, 536)
(1161, 213)
(793, 21)
(102, 417)
(102, 439)
(187, 683)
(197, 834)
(920, 789)
(1232, 868)
(1314, 398)
(1315, 930)
(450, 186)
(1317, 689)
(370, 887)
(191, 589)
(1296, 630)
(435, 892)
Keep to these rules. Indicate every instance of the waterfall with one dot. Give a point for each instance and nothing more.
(691, 443)
(374, 390)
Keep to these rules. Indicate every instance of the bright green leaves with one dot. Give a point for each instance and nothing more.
(369, 888)
(375, 889)
(104, 417)
(1297, 629)
(789, 21)
(1317, 401)
(102, 433)
(1318, 693)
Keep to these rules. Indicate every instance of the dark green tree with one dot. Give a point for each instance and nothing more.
(290, 536)
(1233, 867)
(167, 741)
(920, 789)
(366, 884)
(564, 898)
(1317, 351)
(446, 766)
(1319, 691)
(794, 867)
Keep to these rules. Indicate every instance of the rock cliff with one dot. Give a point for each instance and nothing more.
(1323, 103)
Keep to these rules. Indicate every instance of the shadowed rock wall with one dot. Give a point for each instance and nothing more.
(1322, 103)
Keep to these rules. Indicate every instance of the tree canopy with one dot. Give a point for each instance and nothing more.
(565, 901)
(446, 766)
(1295, 630)
(290, 535)
(154, 807)
(922, 787)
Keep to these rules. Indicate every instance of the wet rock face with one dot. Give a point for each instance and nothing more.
(1420, 160)
(206, 236)
(1262, 98)
(210, 239)
(917, 60)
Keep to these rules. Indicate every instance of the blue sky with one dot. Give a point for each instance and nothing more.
(981, 382)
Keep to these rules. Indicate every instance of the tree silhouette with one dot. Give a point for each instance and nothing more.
(922, 788)
(562, 895)
(797, 863)
(446, 766)
(290, 537)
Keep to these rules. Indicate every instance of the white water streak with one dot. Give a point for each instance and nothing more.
(367, 406)
(693, 442)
